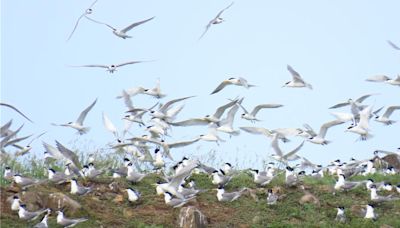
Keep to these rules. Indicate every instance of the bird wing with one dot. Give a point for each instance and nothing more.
(83, 114)
(127, 100)
(390, 110)
(102, 23)
(92, 65)
(127, 63)
(220, 110)
(221, 86)
(80, 17)
(6, 139)
(362, 98)
(364, 117)
(53, 151)
(220, 12)
(275, 145)
(393, 45)
(169, 103)
(309, 130)
(15, 109)
(325, 126)
(257, 131)
(261, 106)
(36, 138)
(5, 128)
(207, 27)
(182, 143)
(230, 116)
(296, 76)
(339, 105)
(377, 78)
(68, 154)
(109, 125)
(294, 151)
(190, 122)
(135, 24)
(243, 82)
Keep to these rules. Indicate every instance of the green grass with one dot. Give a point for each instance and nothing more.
(102, 209)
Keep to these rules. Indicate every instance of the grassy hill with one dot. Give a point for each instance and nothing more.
(110, 208)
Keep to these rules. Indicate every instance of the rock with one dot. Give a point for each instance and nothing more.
(309, 198)
(385, 226)
(59, 200)
(191, 217)
(128, 212)
(118, 199)
(392, 160)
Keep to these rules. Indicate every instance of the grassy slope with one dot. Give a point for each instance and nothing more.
(101, 209)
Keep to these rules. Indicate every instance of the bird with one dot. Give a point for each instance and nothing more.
(340, 216)
(110, 68)
(297, 81)
(386, 79)
(223, 196)
(133, 195)
(155, 92)
(281, 133)
(320, 137)
(25, 149)
(379, 199)
(369, 212)
(88, 11)
(216, 20)
(134, 176)
(15, 109)
(76, 189)
(78, 124)
(122, 33)
(24, 214)
(25, 182)
(261, 178)
(16, 202)
(232, 81)
(386, 115)
(342, 184)
(362, 127)
(170, 200)
(291, 178)
(58, 177)
(226, 125)
(8, 173)
(162, 112)
(393, 45)
(279, 155)
(355, 105)
(272, 197)
(219, 178)
(252, 115)
(68, 222)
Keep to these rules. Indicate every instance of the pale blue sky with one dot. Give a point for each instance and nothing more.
(334, 45)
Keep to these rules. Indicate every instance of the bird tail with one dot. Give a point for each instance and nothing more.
(84, 130)
(309, 86)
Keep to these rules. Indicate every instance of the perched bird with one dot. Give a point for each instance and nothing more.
(291, 178)
(67, 222)
(8, 173)
(383, 78)
(122, 33)
(219, 178)
(369, 212)
(88, 11)
(58, 177)
(170, 200)
(110, 68)
(133, 195)
(379, 199)
(78, 124)
(341, 183)
(261, 178)
(16, 202)
(216, 20)
(272, 197)
(134, 176)
(223, 196)
(43, 222)
(386, 115)
(232, 81)
(24, 214)
(340, 216)
(25, 182)
(76, 189)
(297, 81)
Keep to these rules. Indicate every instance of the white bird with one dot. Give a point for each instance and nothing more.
(175, 202)
(219, 178)
(156, 91)
(386, 115)
(223, 196)
(369, 213)
(109, 125)
(281, 133)
(122, 33)
(393, 45)
(212, 135)
(226, 125)
(16, 202)
(297, 81)
(340, 216)
(43, 222)
(110, 68)
(67, 222)
(252, 115)
(261, 178)
(362, 127)
(24, 214)
(279, 156)
(379, 199)
(232, 81)
(162, 111)
(320, 137)
(88, 11)
(386, 79)
(272, 197)
(76, 189)
(133, 195)
(342, 184)
(216, 20)
(78, 124)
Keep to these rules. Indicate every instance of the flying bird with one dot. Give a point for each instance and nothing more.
(297, 81)
(320, 137)
(232, 81)
(386, 115)
(15, 109)
(78, 124)
(252, 115)
(110, 68)
(393, 45)
(216, 20)
(88, 11)
(122, 33)
(386, 79)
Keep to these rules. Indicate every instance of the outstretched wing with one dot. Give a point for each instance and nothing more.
(83, 114)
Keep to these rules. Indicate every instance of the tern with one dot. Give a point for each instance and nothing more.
(76, 189)
(340, 216)
(379, 199)
(297, 81)
(134, 176)
(216, 20)
(279, 156)
(320, 137)
(281, 133)
(122, 33)
(88, 11)
(232, 81)
(15, 109)
(252, 115)
(24, 214)
(78, 124)
(219, 178)
(68, 222)
(8, 173)
(369, 212)
(362, 127)
(272, 197)
(261, 178)
(25, 182)
(162, 112)
(226, 125)
(386, 115)
(110, 68)
(175, 202)
(155, 92)
(341, 183)
(223, 196)
(25, 149)
(386, 79)
(393, 45)
(16, 202)
(43, 222)
(57, 177)
(133, 195)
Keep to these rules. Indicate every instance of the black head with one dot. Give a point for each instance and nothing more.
(229, 164)
(215, 171)
(289, 168)
(220, 187)
(130, 164)
(91, 164)
(222, 171)
(52, 170)
(341, 208)
(231, 78)
(302, 173)
(373, 186)
(15, 197)
(370, 180)
(185, 158)
(23, 205)
(86, 166)
(157, 150)
(7, 168)
(73, 179)
(126, 160)
(269, 190)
